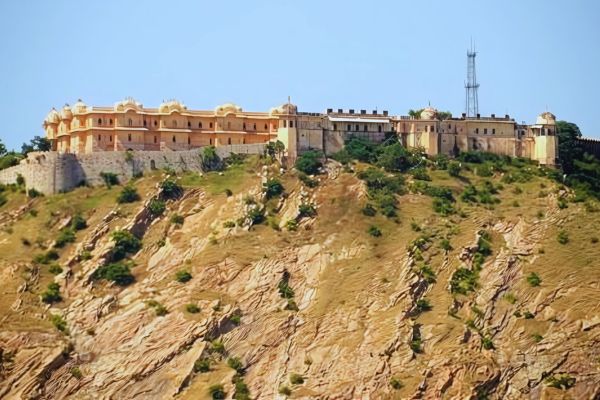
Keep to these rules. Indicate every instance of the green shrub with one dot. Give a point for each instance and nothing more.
(217, 392)
(415, 346)
(484, 170)
(52, 293)
(443, 207)
(66, 235)
(129, 194)
(118, 272)
(537, 337)
(510, 298)
(291, 305)
(396, 158)
(306, 210)
(454, 168)
(396, 383)
(420, 174)
(45, 258)
(272, 188)
(202, 365)
(241, 389)
(192, 308)
(423, 305)
(291, 225)
(369, 210)
(308, 181)
(76, 372)
(374, 231)
(235, 364)
(309, 162)
(534, 279)
(256, 215)
(159, 309)
(342, 156)
(528, 315)
(563, 237)
(78, 223)
(561, 381)
(487, 343)
(32, 193)
(20, 179)
(236, 319)
(284, 390)
(170, 189)
(296, 379)
(463, 281)
(445, 245)
(183, 276)
(228, 192)
(228, 224)
(58, 322)
(285, 290)
(427, 273)
(216, 346)
(109, 179)
(177, 219)
(55, 269)
(156, 207)
(125, 243)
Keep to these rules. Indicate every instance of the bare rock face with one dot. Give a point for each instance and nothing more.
(355, 317)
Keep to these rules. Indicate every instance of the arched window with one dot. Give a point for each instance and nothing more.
(189, 124)
(130, 122)
(99, 121)
(379, 128)
(243, 140)
(110, 121)
(189, 140)
(155, 122)
(174, 124)
(210, 125)
(244, 126)
(174, 139)
(228, 140)
(266, 127)
(209, 141)
(254, 127)
(200, 125)
(129, 137)
(144, 122)
(99, 137)
(110, 138)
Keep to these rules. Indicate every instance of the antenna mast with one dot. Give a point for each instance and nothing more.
(471, 86)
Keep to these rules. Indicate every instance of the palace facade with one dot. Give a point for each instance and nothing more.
(172, 126)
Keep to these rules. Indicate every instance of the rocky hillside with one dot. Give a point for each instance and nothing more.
(479, 280)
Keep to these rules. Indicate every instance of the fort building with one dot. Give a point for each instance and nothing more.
(128, 125)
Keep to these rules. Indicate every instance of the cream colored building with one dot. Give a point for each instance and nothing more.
(172, 126)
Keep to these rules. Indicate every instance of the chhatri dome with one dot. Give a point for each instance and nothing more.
(128, 103)
(228, 108)
(66, 113)
(79, 107)
(53, 117)
(429, 113)
(287, 108)
(546, 118)
(170, 106)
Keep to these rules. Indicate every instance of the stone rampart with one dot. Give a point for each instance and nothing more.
(52, 172)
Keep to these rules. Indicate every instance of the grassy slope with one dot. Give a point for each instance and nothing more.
(345, 284)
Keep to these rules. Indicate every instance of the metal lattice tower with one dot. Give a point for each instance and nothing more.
(471, 86)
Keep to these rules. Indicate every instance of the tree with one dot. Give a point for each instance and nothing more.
(309, 162)
(416, 114)
(442, 115)
(2, 149)
(38, 143)
(210, 158)
(569, 148)
(396, 158)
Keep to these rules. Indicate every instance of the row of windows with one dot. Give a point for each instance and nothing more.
(174, 139)
(357, 128)
(485, 131)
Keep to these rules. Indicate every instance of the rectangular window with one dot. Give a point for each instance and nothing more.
(357, 127)
(335, 127)
(485, 131)
(477, 130)
(210, 125)
(285, 123)
(493, 131)
(349, 127)
(291, 124)
(365, 128)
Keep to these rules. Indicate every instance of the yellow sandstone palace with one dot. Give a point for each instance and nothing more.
(172, 126)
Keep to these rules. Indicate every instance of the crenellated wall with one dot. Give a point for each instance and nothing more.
(53, 172)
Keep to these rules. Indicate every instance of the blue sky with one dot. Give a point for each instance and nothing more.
(392, 55)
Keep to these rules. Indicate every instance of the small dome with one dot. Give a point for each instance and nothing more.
(546, 118)
(128, 104)
(66, 113)
(286, 108)
(227, 108)
(169, 106)
(79, 107)
(429, 113)
(53, 117)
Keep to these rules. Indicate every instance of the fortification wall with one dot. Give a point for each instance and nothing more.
(52, 172)
(590, 146)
